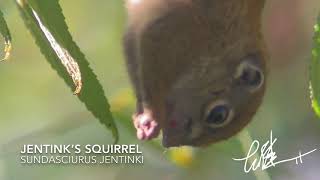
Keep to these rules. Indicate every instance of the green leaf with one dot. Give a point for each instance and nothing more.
(315, 69)
(4, 30)
(47, 24)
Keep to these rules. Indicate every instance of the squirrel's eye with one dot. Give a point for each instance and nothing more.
(219, 115)
(249, 75)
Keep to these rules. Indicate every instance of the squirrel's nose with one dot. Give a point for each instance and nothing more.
(178, 132)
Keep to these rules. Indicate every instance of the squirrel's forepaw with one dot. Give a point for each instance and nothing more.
(146, 125)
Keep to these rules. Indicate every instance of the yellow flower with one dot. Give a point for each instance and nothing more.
(182, 156)
(122, 100)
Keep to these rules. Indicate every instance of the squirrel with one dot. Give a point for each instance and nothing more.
(198, 68)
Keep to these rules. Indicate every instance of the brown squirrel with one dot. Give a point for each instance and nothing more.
(198, 67)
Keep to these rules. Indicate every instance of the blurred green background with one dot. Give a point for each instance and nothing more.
(36, 107)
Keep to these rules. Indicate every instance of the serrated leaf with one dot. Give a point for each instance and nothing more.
(315, 70)
(4, 30)
(46, 23)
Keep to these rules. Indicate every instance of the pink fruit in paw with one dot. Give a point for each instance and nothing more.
(147, 127)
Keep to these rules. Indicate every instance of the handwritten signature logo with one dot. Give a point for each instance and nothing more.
(267, 157)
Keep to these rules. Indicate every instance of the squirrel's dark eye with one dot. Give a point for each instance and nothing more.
(249, 75)
(218, 116)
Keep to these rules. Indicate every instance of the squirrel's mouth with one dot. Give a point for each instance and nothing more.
(179, 133)
(173, 140)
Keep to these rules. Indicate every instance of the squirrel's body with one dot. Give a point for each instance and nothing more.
(181, 49)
